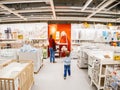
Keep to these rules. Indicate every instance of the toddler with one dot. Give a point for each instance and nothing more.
(67, 62)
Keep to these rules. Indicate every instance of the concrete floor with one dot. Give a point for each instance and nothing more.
(50, 77)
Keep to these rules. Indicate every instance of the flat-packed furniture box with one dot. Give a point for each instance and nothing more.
(17, 75)
(36, 57)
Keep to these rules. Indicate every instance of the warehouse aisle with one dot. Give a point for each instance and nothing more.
(50, 77)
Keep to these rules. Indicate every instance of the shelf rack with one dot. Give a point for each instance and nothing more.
(99, 66)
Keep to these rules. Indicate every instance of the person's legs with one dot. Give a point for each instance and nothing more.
(65, 71)
(50, 49)
(69, 71)
(53, 55)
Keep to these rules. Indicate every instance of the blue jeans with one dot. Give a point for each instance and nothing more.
(67, 69)
(52, 55)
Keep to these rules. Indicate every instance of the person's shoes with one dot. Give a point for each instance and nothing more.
(54, 62)
(64, 78)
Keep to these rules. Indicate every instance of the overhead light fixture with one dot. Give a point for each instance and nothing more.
(109, 24)
(86, 25)
(53, 29)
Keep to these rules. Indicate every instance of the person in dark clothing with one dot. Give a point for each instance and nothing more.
(52, 48)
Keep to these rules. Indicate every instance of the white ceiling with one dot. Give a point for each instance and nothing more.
(60, 10)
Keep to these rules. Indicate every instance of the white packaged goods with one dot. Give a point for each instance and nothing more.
(35, 56)
(8, 53)
(27, 48)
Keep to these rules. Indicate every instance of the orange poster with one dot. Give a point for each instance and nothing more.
(62, 35)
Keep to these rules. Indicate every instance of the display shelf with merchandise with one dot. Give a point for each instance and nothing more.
(41, 43)
(45, 52)
(112, 79)
(75, 41)
(74, 51)
(99, 58)
(115, 43)
(13, 43)
(83, 51)
(99, 67)
(57, 52)
(6, 43)
(82, 60)
(10, 53)
(62, 47)
(8, 39)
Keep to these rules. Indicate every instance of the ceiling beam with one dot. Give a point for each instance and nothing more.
(20, 1)
(91, 19)
(86, 4)
(61, 10)
(9, 10)
(53, 8)
(118, 19)
(101, 8)
(112, 6)
(101, 3)
(64, 19)
(78, 14)
(29, 18)
(35, 10)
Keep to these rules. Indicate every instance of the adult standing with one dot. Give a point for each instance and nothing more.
(52, 48)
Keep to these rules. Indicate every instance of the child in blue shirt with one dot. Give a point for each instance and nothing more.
(67, 62)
